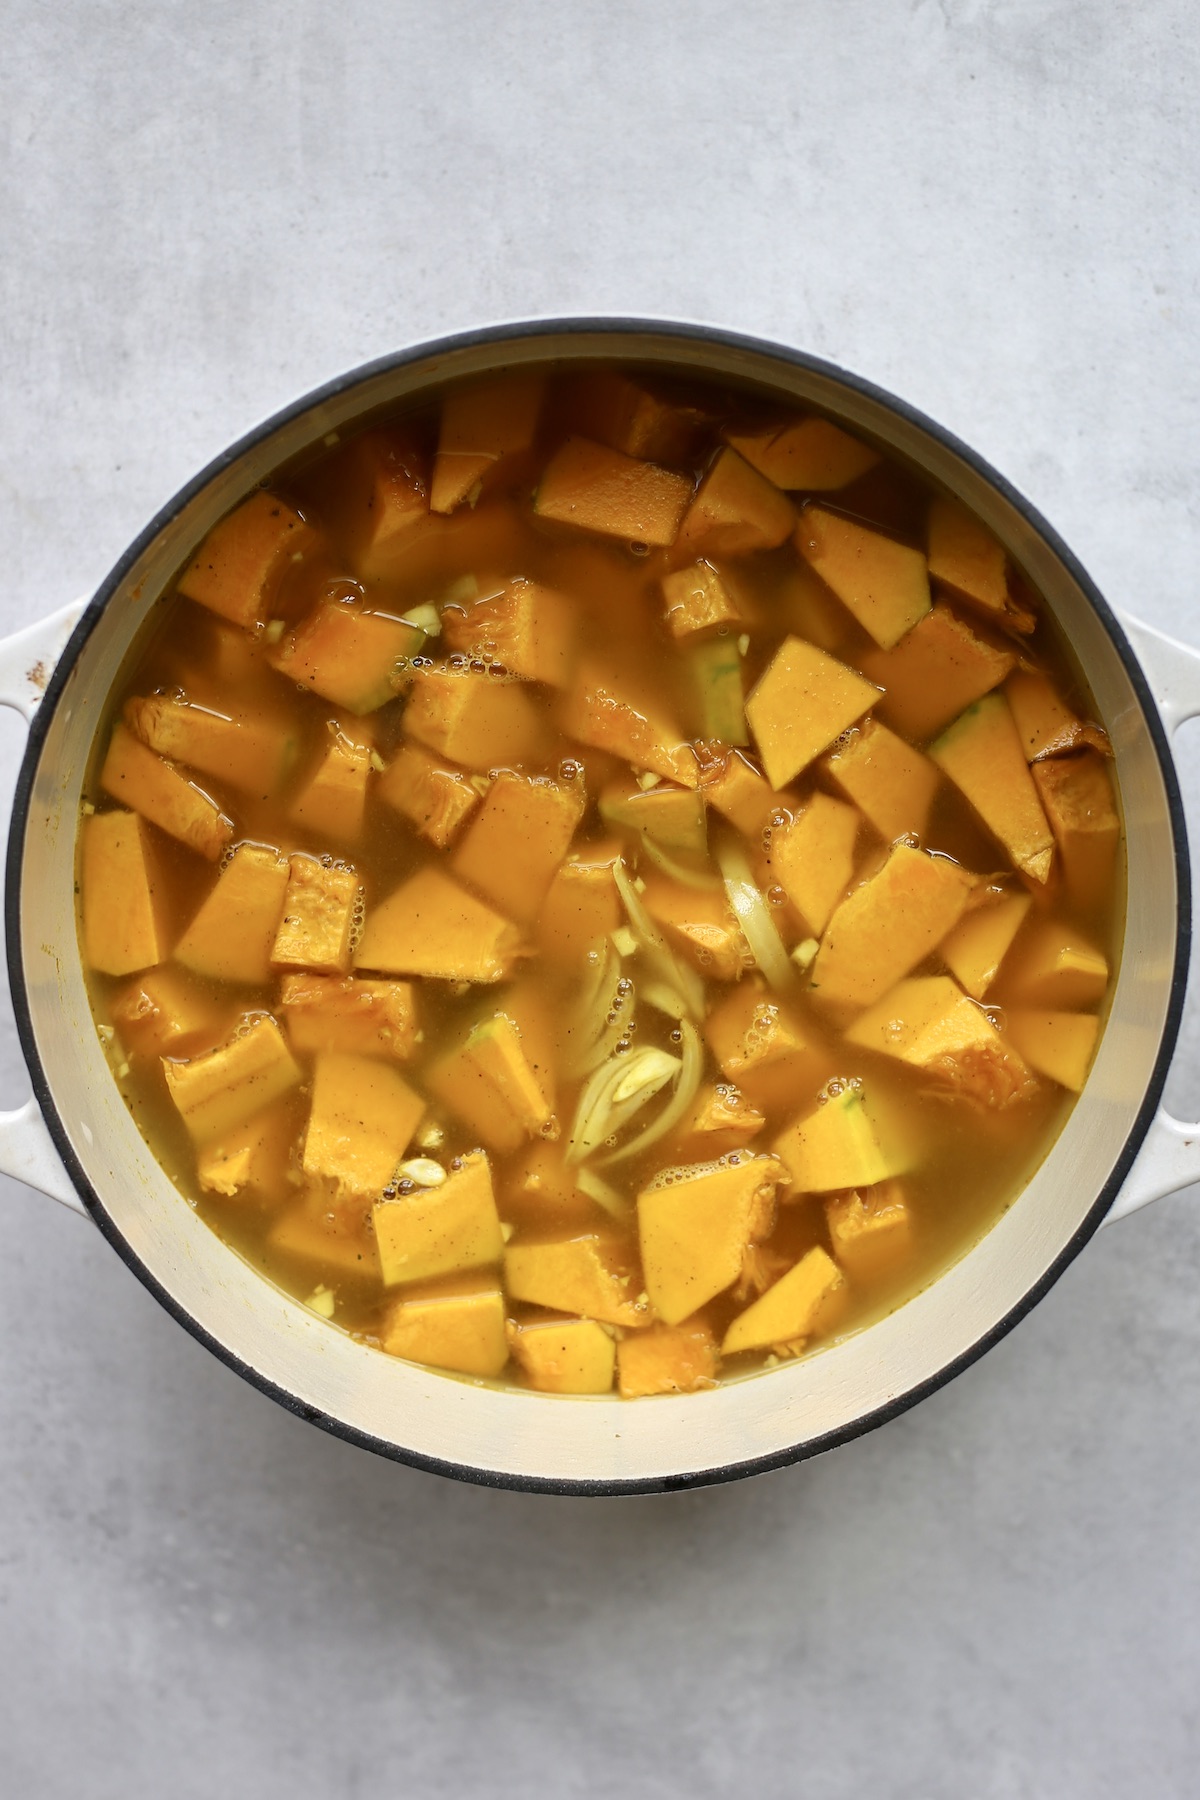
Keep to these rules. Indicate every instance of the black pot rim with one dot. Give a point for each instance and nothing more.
(565, 327)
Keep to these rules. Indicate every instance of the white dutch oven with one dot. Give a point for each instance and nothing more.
(76, 1141)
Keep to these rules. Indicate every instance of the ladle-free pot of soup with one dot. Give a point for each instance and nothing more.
(599, 882)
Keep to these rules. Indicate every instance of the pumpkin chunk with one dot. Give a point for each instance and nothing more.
(441, 1230)
(884, 927)
(885, 584)
(696, 599)
(871, 1230)
(432, 926)
(600, 709)
(526, 626)
(254, 1160)
(355, 658)
(319, 908)
(164, 1013)
(840, 1143)
(812, 454)
(736, 789)
(933, 673)
(587, 1275)
(982, 755)
(126, 913)
(219, 1091)
(599, 489)
(930, 1024)
(891, 783)
(979, 943)
(965, 557)
(436, 799)
(628, 416)
(811, 856)
(488, 1081)
(231, 936)
(369, 1018)
(242, 561)
(1057, 1044)
(722, 1119)
(480, 721)
(362, 1121)
(736, 510)
(582, 906)
(513, 847)
(701, 923)
(1045, 724)
(1054, 966)
(484, 425)
(695, 1225)
(565, 1356)
(378, 502)
(667, 1359)
(251, 754)
(1077, 794)
(803, 701)
(456, 1324)
(332, 803)
(149, 785)
(788, 1313)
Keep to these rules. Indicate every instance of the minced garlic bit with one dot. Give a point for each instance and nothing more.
(805, 952)
(322, 1300)
(424, 1171)
(275, 630)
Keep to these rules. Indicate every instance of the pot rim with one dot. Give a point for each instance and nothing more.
(565, 327)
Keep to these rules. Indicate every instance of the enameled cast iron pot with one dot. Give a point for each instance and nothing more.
(76, 1141)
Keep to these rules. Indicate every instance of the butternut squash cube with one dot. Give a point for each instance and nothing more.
(355, 658)
(701, 923)
(979, 943)
(1077, 794)
(436, 799)
(513, 846)
(929, 1023)
(457, 1325)
(891, 783)
(254, 1159)
(965, 557)
(722, 1119)
(696, 599)
(839, 1143)
(982, 755)
(1045, 724)
(759, 1045)
(718, 708)
(871, 1230)
(242, 561)
(432, 926)
(1053, 966)
(736, 789)
(164, 1013)
(319, 906)
(811, 454)
(934, 673)
(362, 1121)
(565, 1356)
(368, 1018)
(887, 925)
(484, 425)
(695, 1225)
(582, 906)
(587, 1275)
(801, 703)
(602, 490)
(627, 416)
(600, 709)
(811, 856)
(252, 754)
(488, 1082)
(1057, 1044)
(736, 510)
(219, 1091)
(378, 502)
(526, 626)
(322, 1237)
(126, 911)
(332, 803)
(442, 1230)
(139, 779)
(884, 583)
(667, 1359)
(231, 936)
(790, 1311)
(480, 721)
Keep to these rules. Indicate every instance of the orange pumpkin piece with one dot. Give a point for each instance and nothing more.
(599, 489)
(242, 561)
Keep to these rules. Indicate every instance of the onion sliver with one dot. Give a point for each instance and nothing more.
(686, 1089)
(672, 971)
(602, 1192)
(754, 915)
(599, 1112)
(678, 871)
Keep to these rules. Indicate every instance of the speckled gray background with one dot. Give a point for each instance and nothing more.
(990, 208)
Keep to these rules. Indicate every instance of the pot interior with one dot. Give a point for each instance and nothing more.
(523, 1438)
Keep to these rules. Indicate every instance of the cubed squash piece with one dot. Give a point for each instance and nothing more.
(377, 498)
(667, 1359)
(736, 510)
(441, 1230)
(790, 1311)
(219, 1091)
(965, 557)
(368, 1018)
(841, 1143)
(929, 1023)
(759, 1044)
(701, 923)
(810, 454)
(800, 704)
(1045, 724)
(722, 1119)
(1057, 1044)
(484, 425)
(252, 754)
(696, 599)
(138, 778)
(488, 1082)
(599, 489)
(587, 1275)
(601, 709)
(362, 1120)
(242, 561)
(695, 1225)
(1077, 794)
(979, 943)
(527, 627)
(891, 783)
(811, 856)
(1054, 966)
(479, 720)
(436, 799)
(432, 926)
(734, 788)
(326, 1240)
(126, 911)
(565, 1356)
(332, 802)
(538, 1189)
(582, 906)
(934, 673)
(885, 926)
(884, 583)
(628, 416)
(458, 1325)
(320, 906)
(164, 1013)
(231, 936)
(254, 1160)
(513, 846)
(355, 658)
(982, 755)
(871, 1230)
(718, 707)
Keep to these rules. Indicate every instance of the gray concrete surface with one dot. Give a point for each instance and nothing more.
(990, 207)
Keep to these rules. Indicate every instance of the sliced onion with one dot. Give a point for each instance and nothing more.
(602, 1192)
(665, 999)
(599, 1113)
(666, 965)
(686, 1088)
(754, 915)
(605, 1011)
(678, 871)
